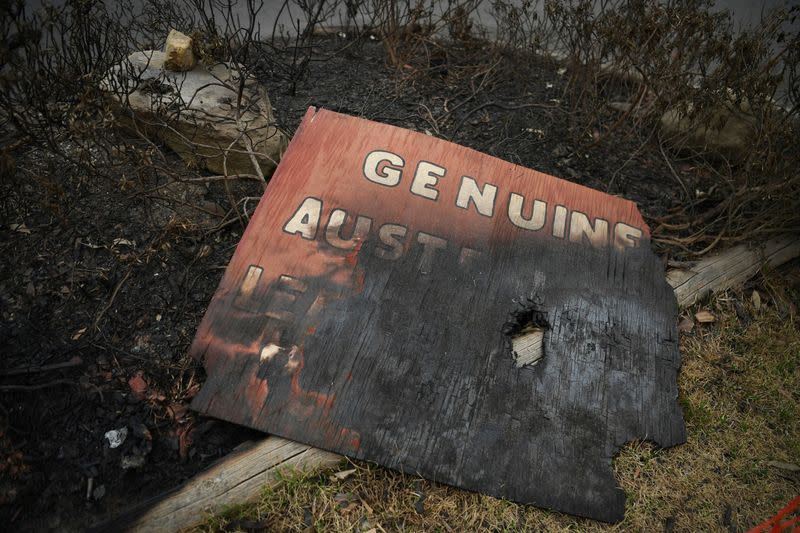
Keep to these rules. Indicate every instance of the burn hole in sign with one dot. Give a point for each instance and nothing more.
(525, 332)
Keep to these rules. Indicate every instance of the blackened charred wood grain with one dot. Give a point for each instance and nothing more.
(241, 476)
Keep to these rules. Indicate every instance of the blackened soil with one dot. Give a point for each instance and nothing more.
(518, 110)
(104, 277)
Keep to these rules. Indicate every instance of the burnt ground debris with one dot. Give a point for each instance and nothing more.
(114, 274)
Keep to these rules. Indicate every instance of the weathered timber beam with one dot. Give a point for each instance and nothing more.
(236, 478)
(729, 268)
(240, 476)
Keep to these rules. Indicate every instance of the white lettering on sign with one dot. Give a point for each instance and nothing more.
(626, 236)
(538, 213)
(560, 222)
(386, 168)
(483, 199)
(580, 227)
(334, 229)
(393, 237)
(306, 219)
(248, 286)
(390, 235)
(391, 164)
(430, 244)
(425, 179)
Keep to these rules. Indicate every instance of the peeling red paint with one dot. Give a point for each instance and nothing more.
(352, 258)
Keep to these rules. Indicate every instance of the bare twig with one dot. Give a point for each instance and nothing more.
(75, 361)
(111, 299)
(40, 386)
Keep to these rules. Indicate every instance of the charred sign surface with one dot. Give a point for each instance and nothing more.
(411, 302)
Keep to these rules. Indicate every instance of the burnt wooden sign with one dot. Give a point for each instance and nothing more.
(408, 301)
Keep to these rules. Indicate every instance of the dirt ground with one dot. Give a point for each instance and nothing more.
(104, 281)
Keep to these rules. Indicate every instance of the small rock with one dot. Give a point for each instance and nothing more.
(308, 518)
(116, 437)
(704, 317)
(178, 51)
(198, 113)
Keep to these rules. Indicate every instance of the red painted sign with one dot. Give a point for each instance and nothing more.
(355, 305)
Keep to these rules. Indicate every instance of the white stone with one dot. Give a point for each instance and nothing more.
(116, 437)
(196, 113)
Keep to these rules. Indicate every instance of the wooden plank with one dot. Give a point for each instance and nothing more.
(372, 306)
(236, 479)
(729, 268)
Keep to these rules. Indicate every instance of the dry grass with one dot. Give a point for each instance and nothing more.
(740, 391)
